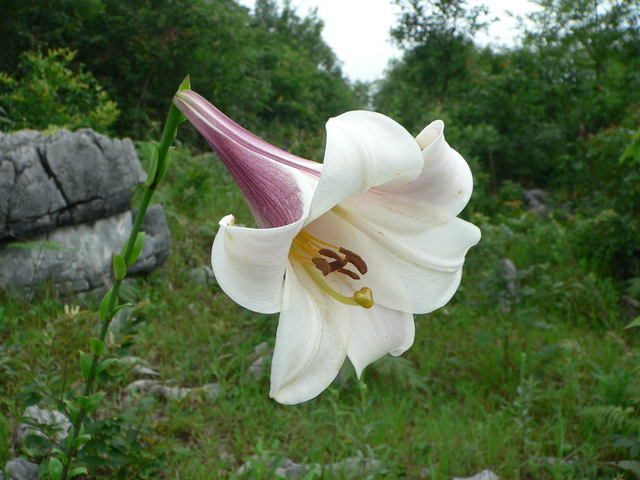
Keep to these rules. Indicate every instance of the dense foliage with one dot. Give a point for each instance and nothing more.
(51, 95)
(556, 111)
(528, 371)
(262, 68)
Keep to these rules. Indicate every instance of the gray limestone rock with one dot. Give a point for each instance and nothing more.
(536, 200)
(261, 360)
(202, 275)
(63, 179)
(21, 469)
(483, 475)
(283, 467)
(508, 273)
(79, 257)
(53, 420)
(158, 388)
(76, 256)
(138, 366)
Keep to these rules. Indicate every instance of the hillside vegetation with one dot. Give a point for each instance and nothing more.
(529, 370)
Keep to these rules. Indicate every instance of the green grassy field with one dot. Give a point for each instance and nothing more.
(538, 385)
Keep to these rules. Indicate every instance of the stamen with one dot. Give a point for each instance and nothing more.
(306, 247)
(349, 274)
(336, 266)
(315, 241)
(355, 260)
(295, 253)
(326, 268)
(322, 265)
(309, 250)
(331, 254)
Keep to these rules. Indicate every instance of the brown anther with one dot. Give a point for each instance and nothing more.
(336, 266)
(322, 265)
(349, 273)
(333, 255)
(355, 260)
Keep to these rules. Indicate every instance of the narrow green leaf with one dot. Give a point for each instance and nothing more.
(163, 169)
(83, 402)
(81, 439)
(63, 456)
(634, 324)
(73, 410)
(70, 436)
(84, 438)
(104, 305)
(628, 152)
(153, 166)
(119, 267)
(77, 471)
(97, 346)
(137, 248)
(118, 308)
(186, 83)
(30, 398)
(55, 468)
(95, 400)
(104, 364)
(85, 363)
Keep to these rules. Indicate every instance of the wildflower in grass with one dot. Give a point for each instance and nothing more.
(347, 250)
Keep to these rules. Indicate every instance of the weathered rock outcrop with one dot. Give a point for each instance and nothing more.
(64, 179)
(65, 209)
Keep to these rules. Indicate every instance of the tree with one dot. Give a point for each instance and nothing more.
(303, 80)
(139, 50)
(437, 36)
(575, 74)
(265, 70)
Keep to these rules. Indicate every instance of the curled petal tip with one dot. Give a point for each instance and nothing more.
(429, 133)
(228, 221)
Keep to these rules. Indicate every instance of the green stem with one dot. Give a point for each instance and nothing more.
(174, 119)
(142, 210)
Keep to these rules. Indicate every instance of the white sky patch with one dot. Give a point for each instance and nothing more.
(358, 30)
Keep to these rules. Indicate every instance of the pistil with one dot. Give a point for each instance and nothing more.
(362, 298)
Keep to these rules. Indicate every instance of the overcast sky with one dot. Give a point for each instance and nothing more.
(358, 30)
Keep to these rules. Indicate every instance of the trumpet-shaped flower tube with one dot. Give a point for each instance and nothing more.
(347, 250)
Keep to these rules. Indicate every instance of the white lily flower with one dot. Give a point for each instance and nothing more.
(347, 250)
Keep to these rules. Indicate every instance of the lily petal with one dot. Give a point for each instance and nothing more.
(364, 150)
(446, 182)
(249, 264)
(376, 332)
(311, 341)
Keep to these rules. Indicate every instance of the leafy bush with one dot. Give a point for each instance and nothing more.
(48, 94)
(609, 243)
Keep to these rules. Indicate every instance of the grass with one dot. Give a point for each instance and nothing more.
(525, 386)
